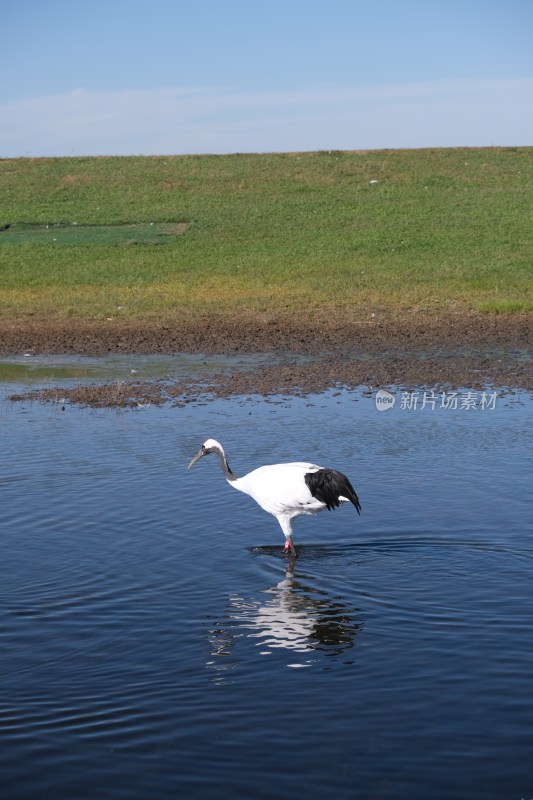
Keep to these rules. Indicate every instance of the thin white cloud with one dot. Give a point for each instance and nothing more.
(184, 120)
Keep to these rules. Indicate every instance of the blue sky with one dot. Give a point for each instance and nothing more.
(119, 77)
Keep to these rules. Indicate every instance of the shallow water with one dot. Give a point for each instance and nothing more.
(156, 643)
(44, 371)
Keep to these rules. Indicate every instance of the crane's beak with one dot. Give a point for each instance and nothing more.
(196, 458)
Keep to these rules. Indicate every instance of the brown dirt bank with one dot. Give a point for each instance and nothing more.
(467, 351)
(246, 333)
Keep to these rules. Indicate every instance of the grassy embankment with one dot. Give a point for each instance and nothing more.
(440, 231)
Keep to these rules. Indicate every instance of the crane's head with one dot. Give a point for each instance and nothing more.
(209, 446)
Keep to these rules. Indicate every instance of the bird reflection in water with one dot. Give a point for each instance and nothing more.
(292, 617)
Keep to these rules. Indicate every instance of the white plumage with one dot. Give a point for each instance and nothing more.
(287, 490)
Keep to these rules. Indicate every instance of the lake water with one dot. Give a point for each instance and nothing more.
(157, 644)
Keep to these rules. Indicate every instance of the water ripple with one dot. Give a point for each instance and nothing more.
(157, 643)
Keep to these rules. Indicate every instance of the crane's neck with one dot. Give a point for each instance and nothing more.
(228, 474)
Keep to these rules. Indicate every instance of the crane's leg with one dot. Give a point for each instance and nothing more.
(289, 547)
(286, 527)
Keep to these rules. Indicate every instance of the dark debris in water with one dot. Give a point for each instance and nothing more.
(456, 351)
(296, 380)
(122, 394)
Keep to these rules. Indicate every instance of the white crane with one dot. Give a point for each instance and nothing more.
(287, 490)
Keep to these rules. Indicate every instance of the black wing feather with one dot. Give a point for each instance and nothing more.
(327, 485)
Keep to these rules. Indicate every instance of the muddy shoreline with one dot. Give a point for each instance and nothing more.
(452, 351)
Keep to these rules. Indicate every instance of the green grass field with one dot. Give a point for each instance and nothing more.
(345, 232)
